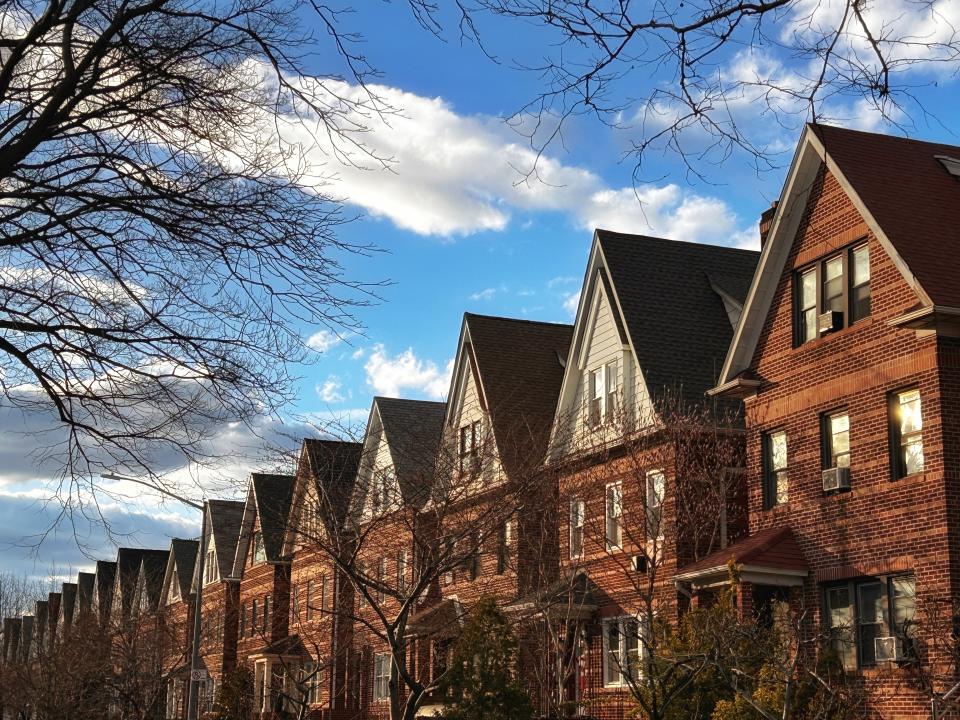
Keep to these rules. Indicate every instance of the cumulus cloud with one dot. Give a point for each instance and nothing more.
(452, 175)
(323, 340)
(329, 390)
(570, 303)
(485, 294)
(397, 375)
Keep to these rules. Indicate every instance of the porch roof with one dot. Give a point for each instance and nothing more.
(768, 557)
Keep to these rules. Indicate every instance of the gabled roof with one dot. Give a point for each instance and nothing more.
(152, 569)
(129, 561)
(53, 609)
(268, 499)
(333, 466)
(412, 430)
(40, 609)
(906, 196)
(68, 596)
(911, 196)
(675, 320)
(26, 635)
(225, 517)
(103, 587)
(85, 585)
(183, 559)
(519, 368)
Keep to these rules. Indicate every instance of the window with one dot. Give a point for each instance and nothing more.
(614, 513)
(906, 433)
(295, 604)
(610, 391)
(776, 475)
(266, 614)
(504, 538)
(323, 593)
(470, 447)
(577, 513)
(382, 484)
(621, 651)
(656, 487)
(259, 552)
(595, 398)
(309, 599)
(254, 617)
(402, 564)
(210, 566)
(836, 440)
(838, 284)
(310, 682)
(243, 621)
(381, 677)
(861, 611)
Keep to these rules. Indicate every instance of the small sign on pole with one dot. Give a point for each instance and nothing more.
(198, 675)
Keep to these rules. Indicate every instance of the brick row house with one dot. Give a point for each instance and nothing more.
(789, 411)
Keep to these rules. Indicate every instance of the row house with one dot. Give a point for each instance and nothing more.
(646, 481)
(177, 610)
(396, 474)
(219, 613)
(847, 361)
(264, 572)
(321, 596)
(104, 574)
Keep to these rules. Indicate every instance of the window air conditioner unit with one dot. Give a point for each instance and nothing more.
(638, 563)
(888, 649)
(829, 321)
(837, 478)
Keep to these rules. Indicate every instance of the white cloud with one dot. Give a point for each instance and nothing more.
(485, 294)
(358, 353)
(391, 375)
(570, 303)
(323, 340)
(452, 175)
(329, 391)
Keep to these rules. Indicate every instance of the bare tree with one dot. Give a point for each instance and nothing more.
(164, 241)
(706, 79)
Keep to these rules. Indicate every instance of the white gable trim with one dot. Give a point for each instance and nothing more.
(583, 327)
(803, 171)
(246, 531)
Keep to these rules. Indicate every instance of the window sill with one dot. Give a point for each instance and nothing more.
(816, 342)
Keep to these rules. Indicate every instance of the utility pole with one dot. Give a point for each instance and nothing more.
(193, 699)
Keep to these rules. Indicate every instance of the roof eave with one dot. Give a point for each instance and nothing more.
(942, 319)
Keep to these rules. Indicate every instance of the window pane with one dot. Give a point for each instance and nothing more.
(611, 665)
(840, 440)
(840, 618)
(833, 285)
(872, 619)
(783, 487)
(913, 456)
(778, 450)
(861, 265)
(910, 417)
(904, 605)
(808, 289)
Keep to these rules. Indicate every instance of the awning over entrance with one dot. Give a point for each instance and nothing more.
(768, 557)
(573, 598)
(443, 619)
(288, 648)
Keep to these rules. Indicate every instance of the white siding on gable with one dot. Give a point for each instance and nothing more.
(599, 346)
(467, 411)
(382, 460)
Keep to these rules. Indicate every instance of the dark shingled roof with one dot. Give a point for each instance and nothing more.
(334, 465)
(128, 571)
(184, 554)
(43, 621)
(152, 568)
(913, 198)
(26, 635)
(272, 495)
(413, 430)
(68, 597)
(226, 516)
(53, 610)
(520, 364)
(85, 584)
(106, 573)
(676, 321)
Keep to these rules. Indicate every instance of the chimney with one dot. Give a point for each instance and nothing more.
(766, 220)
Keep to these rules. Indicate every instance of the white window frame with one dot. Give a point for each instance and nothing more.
(381, 677)
(262, 675)
(654, 502)
(613, 516)
(614, 662)
(610, 390)
(578, 511)
(594, 404)
(210, 573)
(403, 562)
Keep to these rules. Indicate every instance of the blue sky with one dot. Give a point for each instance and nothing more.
(460, 230)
